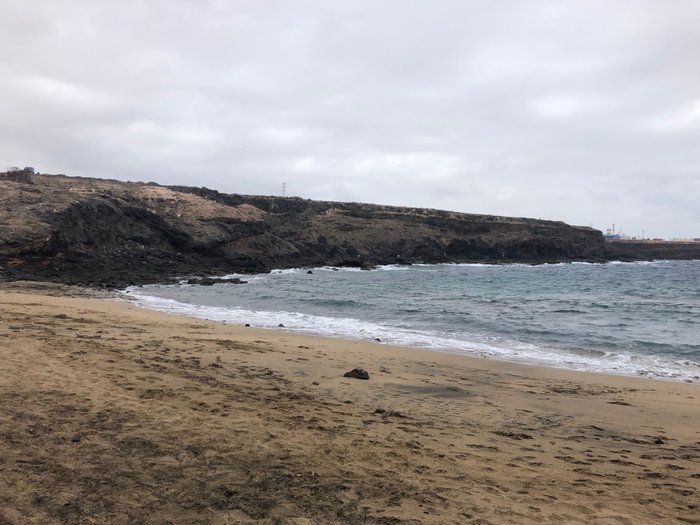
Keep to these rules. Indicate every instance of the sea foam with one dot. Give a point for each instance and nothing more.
(464, 343)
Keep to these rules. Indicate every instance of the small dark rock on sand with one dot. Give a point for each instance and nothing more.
(357, 373)
(513, 435)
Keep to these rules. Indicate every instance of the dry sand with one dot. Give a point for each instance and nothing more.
(113, 414)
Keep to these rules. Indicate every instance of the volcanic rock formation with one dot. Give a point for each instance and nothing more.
(111, 233)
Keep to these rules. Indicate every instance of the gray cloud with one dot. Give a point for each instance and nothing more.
(582, 111)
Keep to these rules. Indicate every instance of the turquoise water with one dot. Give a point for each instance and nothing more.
(627, 318)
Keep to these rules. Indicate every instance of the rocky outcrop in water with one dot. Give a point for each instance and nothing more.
(111, 233)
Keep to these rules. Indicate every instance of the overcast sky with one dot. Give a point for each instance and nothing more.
(581, 111)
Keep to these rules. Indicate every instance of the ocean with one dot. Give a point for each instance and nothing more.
(638, 319)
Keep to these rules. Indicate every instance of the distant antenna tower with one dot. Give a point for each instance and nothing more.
(284, 189)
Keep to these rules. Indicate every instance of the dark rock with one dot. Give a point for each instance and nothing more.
(513, 435)
(355, 263)
(75, 438)
(202, 282)
(280, 325)
(247, 324)
(309, 272)
(357, 373)
(377, 340)
(389, 413)
(624, 250)
(209, 281)
(658, 441)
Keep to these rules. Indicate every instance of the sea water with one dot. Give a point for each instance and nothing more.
(638, 318)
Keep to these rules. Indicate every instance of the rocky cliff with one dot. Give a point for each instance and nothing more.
(624, 250)
(94, 231)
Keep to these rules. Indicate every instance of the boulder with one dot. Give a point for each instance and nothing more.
(357, 373)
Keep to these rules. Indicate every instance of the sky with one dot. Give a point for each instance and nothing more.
(583, 111)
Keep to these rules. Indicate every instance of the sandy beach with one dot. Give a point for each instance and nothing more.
(112, 414)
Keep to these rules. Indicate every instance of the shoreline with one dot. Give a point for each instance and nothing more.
(532, 363)
(115, 413)
(622, 364)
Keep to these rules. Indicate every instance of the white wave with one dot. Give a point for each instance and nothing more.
(462, 343)
(393, 267)
(340, 269)
(637, 263)
(286, 271)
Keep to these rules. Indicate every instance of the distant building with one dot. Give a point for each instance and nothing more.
(611, 234)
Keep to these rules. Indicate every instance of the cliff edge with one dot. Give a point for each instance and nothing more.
(105, 232)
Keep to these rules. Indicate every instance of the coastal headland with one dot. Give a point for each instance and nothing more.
(113, 414)
(97, 232)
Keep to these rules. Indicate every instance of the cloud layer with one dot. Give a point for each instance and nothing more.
(582, 111)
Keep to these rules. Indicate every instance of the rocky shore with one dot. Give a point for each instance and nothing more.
(108, 233)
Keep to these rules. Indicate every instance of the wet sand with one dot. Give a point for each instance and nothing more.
(113, 414)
